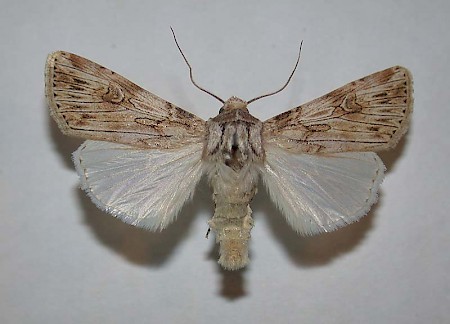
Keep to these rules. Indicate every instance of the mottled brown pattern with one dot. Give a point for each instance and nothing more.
(90, 101)
(369, 114)
(114, 95)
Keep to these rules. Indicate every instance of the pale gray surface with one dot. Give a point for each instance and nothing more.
(64, 261)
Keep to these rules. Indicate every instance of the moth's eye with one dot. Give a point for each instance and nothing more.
(221, 110)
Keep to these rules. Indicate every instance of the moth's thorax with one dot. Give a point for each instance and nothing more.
(234, 136)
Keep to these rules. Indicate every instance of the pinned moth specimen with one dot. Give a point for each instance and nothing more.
(144, 156)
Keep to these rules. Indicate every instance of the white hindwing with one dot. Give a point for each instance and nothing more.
(145, 188)
(322, 192)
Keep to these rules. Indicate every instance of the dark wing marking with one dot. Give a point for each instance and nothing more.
(90, 101)
(369, 114)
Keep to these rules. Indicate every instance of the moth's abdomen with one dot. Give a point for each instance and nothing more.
(232, 229)
(232, 220)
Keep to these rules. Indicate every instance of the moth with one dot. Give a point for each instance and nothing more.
(143, 156)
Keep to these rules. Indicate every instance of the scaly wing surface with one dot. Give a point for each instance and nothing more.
(90, 101)
(322, 192)
(145, 188)
(370, 114)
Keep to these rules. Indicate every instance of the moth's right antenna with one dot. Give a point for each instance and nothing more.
(190, 70)
(287, 82)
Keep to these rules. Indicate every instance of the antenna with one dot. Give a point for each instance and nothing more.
(287, 82)
(190, 70)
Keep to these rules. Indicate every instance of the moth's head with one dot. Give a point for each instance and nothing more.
(233, 103)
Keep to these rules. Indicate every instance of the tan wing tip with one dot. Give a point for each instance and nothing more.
(408, 105)
(49, 67)
(50, 63)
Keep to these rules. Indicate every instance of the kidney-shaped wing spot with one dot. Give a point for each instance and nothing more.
(92, 102)
(370, 114)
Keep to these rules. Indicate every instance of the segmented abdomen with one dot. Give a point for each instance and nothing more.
(232, 220)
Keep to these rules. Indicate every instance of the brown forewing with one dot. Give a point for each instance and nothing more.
(90, 101)
(369, 114)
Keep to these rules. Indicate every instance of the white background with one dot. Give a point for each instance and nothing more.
(64, 261)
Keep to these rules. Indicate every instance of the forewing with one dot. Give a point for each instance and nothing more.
(322, 192)
(145, 188)
(90, 101)
(369, 114)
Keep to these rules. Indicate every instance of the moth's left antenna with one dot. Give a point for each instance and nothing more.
(287, 82)
(190, 70)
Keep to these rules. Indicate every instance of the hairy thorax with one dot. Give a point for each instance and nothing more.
(233, 147)
(234, 139)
